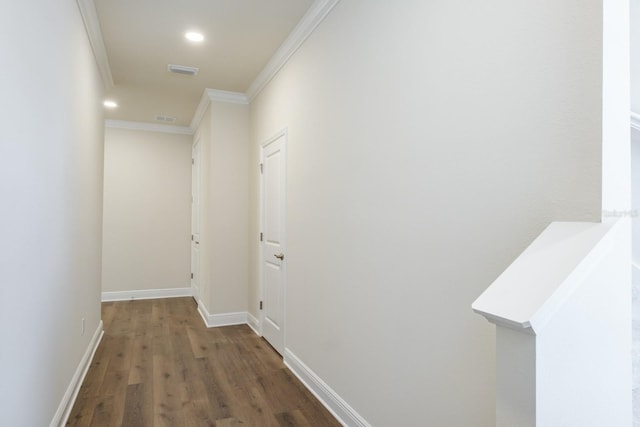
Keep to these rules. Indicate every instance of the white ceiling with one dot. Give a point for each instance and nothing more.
(142, 37)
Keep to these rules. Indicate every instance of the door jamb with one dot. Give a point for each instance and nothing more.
(198, 178)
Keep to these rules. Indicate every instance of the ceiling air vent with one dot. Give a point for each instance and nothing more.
(181, 69)
(165, 119)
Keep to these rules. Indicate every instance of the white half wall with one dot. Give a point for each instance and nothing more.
(147, 211)
(51, 168)
(635, 244)
(564, 328)
(583, 358)
(616, 173)
(635, 193)
(634, 30)
(429, 143)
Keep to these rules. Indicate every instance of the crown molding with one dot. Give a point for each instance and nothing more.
(635, 121)
(226, 96)
(202, 108)
(149, 127)
(309, 22)
(94, 33)
(210, 95)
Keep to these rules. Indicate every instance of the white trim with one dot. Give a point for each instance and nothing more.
(635, 121)
(69, 398)
(309, 22)
(209, 95)
(226, 96)
(545, 275)
(204, 313)
(146, 294)
(223, 319)
(148, 127)
(94, 33)
(345, 414)
(254, 324)
(202, 108)
(196, 213)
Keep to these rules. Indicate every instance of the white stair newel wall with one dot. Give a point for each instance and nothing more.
(563, 320)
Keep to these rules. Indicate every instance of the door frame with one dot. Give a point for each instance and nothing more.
(282, 133)
(196, 291)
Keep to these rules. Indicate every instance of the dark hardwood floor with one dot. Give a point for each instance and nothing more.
(158, 365)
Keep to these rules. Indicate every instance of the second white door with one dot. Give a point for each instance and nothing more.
(273, 258)
(195, 221)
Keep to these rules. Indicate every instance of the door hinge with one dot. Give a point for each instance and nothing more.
(261, 237)
(192, 237)
(260, 305)
(192, 275)
(261, 167)
(193, 161)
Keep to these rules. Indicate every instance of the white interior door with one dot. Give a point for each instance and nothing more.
(195, 221)
(273, 260)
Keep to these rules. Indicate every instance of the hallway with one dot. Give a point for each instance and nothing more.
(158, 365)
(428, 145)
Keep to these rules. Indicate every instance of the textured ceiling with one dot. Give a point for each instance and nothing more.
(142, 37)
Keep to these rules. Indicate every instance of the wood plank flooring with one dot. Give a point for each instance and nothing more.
(158, 365)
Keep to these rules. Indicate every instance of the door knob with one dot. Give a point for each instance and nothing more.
(280, 256)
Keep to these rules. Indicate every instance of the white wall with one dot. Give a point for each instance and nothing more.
(223, 133)
(228, 207)
(51, 157)
(635, 192)
(635, 197)
(616, 172)
(635, 54)
(583, 363)
(563, 328)
(429, 143)
(203, 135)
(147, 211)
(635, 239)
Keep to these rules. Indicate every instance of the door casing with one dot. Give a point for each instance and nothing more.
(195, 218)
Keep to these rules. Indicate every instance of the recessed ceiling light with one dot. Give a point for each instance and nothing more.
(194, 36)
(110, 104)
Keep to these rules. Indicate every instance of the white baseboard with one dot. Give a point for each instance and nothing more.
(146, 294)
(340, 409)
(69, 398)
(254, 324)
(223, 319)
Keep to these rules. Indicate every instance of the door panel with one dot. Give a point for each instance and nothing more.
(272, 303)
(273, 261)
(272, 202)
